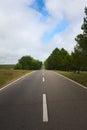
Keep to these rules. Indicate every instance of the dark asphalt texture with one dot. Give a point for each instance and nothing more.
(21, 104)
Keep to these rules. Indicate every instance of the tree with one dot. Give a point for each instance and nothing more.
(58, 60)
(77, 59)
(53, 61)
(81, 40)
(65, 60)
(28, 63)
(18, 66)
(84, 26)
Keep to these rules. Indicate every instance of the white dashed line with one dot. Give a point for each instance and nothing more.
(43, 79)
(45, 112)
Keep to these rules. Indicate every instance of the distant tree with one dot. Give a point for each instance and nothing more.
(18, 66)
(65, 60)
(54, 60)
(58, 60)
(28, 63)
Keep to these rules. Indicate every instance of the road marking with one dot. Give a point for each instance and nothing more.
(43, 79)
(45, 112)
(71, 80)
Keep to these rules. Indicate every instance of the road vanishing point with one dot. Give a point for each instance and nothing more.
(43, 100)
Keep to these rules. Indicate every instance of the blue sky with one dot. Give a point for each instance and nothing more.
(39, 6)
(48, 36)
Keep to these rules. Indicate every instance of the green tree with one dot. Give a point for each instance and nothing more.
(84, 26)
(18, 66)
(58, 60)
(53, 61)
(81, 47)
(65, 60)
(28, 63)
(77, 59)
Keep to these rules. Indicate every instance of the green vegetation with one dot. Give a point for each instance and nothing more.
(80, 51)
(59, 60)
(7, 66)
(28, 63)
(77, 60)
(80, 78)
(7, 75)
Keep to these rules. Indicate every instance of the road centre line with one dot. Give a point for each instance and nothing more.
(45, 111)
(43, 79)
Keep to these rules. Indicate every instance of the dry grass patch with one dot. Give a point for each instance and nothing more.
(6, 76)
(80, 78)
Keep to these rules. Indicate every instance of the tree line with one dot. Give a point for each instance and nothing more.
(60, 59)
(28, 63)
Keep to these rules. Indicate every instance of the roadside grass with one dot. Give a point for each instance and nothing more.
(80, 78)
(9, 75)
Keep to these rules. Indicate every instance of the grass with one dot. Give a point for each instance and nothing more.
(7, 66)
(8, 75)
(80, 78)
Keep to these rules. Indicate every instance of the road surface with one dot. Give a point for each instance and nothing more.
(43, 100)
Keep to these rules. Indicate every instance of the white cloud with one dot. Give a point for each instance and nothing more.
(73, 12)
(21, 28)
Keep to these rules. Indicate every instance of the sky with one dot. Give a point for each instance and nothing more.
(37, 27)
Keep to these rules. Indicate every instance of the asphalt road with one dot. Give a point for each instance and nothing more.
(43, 100)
